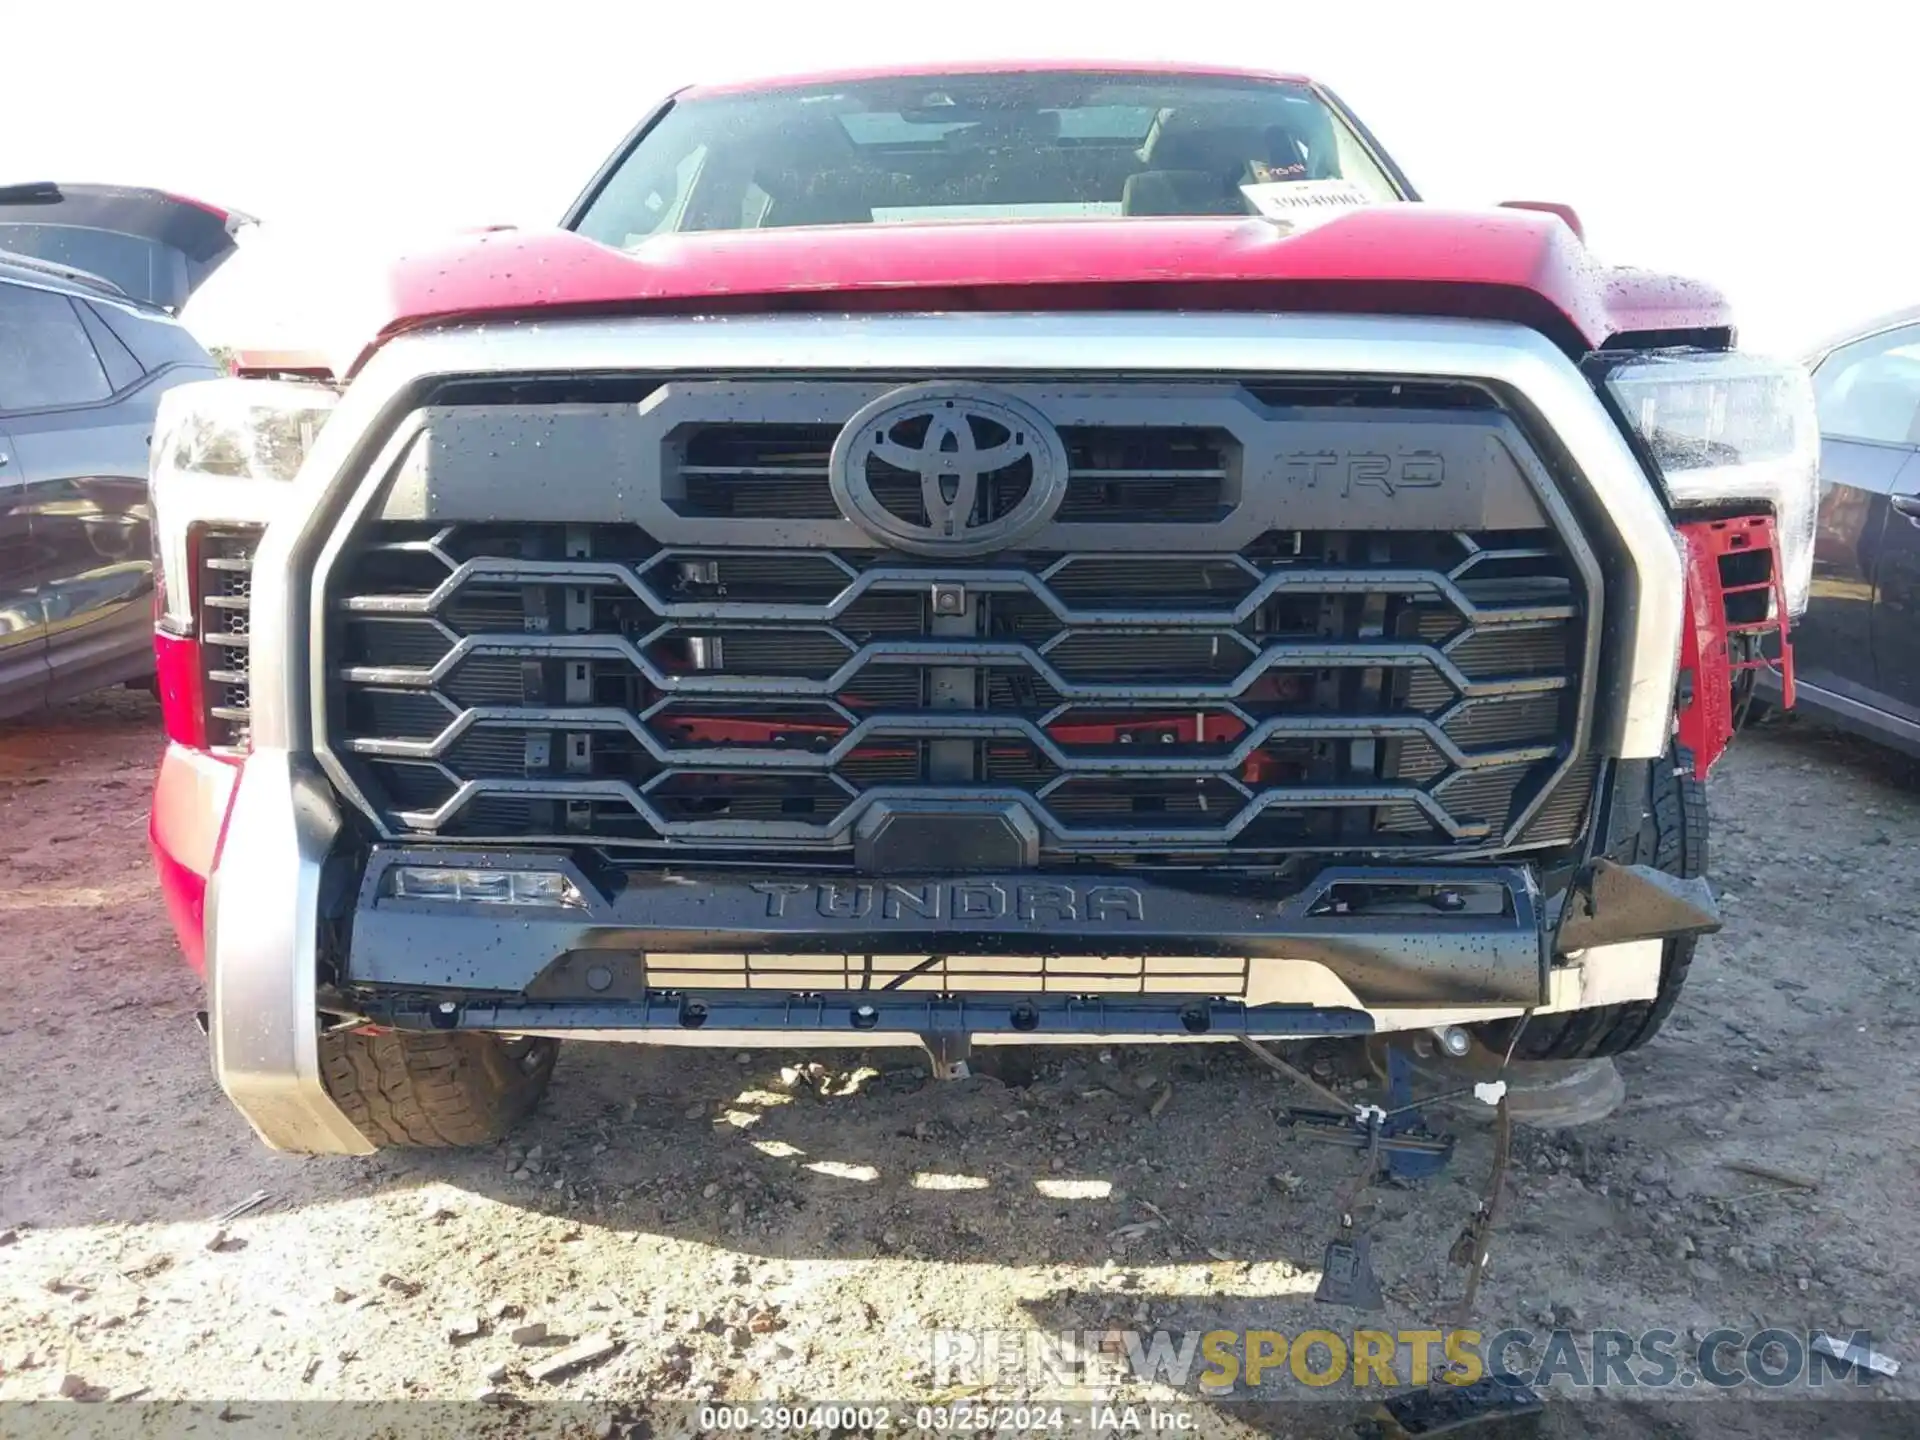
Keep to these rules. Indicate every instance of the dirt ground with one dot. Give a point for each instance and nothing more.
(741, 1235)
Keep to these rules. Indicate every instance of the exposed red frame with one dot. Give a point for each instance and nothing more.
(1706, 663)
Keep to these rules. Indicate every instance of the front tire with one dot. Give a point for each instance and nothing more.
(1673, 838)
(434, 1088)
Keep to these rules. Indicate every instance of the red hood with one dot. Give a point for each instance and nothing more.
(1396, 259)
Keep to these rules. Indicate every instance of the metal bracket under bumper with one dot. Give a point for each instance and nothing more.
(859, 1016)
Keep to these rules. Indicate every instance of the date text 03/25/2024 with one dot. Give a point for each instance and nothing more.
(946, 1419)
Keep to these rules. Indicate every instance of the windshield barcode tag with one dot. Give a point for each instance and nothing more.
(1305, 202)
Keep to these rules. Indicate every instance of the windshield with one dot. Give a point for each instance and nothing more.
(1031, 146)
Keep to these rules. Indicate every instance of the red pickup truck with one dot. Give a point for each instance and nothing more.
(1017, 554)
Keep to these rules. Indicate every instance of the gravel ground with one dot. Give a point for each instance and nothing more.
(741, 1227)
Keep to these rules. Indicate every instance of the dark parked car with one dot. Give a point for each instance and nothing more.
(1857, 652)
(91, 277)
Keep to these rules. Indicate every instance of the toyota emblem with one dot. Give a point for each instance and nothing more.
(949, 470)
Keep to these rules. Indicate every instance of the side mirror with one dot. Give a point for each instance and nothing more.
(1552, 207)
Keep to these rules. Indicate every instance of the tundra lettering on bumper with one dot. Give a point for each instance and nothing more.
(1393, 935)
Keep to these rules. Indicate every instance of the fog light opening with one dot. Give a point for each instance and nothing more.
(482, 887)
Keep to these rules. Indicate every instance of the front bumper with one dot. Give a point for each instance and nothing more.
(735, 960)
(274, 923)
(685, 958)
(1388, 935)
(693, 957)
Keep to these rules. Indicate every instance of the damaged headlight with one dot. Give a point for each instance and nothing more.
(1726, 430)
(224, 451)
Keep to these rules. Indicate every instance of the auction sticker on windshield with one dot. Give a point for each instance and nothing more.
(1306, 202)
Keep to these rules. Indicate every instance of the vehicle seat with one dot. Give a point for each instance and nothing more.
(1219, 150)
(1180, 192)
(1282, 150)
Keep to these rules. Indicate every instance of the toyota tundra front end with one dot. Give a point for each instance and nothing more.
(942, 559)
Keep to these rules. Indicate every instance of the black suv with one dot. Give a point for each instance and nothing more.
(91, 278)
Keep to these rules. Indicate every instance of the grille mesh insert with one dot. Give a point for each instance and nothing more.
(225, 587)
(1173, 705)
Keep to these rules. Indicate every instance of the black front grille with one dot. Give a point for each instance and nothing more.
(1328, 691)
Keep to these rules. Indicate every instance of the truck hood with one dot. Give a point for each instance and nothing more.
(1410, 259)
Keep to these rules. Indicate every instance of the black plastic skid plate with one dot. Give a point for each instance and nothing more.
(1364, 924)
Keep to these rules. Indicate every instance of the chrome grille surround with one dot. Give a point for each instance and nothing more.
(377, 422)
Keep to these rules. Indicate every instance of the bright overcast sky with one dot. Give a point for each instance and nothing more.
(1768, 149)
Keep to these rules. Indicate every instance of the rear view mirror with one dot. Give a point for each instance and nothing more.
(1552, 207)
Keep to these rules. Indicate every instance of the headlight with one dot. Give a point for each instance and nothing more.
(1728, 429)
(223, 450)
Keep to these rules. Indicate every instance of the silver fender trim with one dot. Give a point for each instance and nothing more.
(263, 917)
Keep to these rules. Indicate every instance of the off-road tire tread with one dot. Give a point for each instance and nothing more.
(1673, 839)
(427, 1088)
